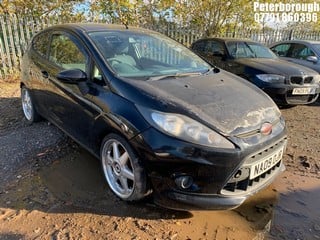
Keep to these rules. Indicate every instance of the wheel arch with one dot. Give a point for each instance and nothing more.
(107, 124)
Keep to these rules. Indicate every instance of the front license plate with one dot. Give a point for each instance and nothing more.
(266, 163)
(303, 91)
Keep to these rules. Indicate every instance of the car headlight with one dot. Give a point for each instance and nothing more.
(271, 78)
(317, 79)
(185, 128)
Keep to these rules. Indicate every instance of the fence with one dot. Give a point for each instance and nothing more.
(15, 33)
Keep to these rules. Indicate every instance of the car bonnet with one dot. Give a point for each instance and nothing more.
(276, 66)
(222, 100)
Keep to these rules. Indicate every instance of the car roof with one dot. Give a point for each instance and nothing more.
(229, 39)
(297, 41)
(93, 27)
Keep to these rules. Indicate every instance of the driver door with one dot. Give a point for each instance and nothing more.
(67, 106)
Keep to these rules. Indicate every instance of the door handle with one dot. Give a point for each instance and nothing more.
(45, 74)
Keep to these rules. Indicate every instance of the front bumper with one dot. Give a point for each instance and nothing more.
(211, 170)
(185, 201)
(283, 94)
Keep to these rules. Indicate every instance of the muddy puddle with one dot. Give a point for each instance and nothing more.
(73, 188)
(297, 211)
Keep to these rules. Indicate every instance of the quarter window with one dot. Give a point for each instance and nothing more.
(97, 76)
(65, 53)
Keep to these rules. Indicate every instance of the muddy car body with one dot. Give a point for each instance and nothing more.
(287, 83)
(159, 118)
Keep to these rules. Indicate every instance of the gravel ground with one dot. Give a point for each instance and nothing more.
(19, 142)
(18, 146)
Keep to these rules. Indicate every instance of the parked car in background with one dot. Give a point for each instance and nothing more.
(306, 53)
(287, 83)
(159, 118)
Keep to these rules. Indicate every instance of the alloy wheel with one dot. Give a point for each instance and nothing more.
(118, 169)
(26, 104)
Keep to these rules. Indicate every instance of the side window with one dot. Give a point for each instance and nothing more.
(198, 47)
(65, 53)
(281, 50)
(301, 51)
(208, 47)
(40, 43)
(217, 48)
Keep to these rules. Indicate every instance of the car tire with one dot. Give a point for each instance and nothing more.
(122, 169)
(29, 111)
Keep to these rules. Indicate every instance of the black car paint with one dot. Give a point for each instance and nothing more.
(206, 99)
(114, 107)
(248, 68)
(210, 169)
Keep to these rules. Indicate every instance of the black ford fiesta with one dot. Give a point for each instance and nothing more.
(160, 119)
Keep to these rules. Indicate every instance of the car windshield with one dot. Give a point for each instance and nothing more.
(143, 55)
(249, 50)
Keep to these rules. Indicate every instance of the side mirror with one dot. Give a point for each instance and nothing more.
(72, 76)
(312, 59)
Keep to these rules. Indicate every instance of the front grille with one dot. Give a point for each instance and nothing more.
(296, 80)
(246, 184)
(308, 79)
(301, 80)
(240, 182)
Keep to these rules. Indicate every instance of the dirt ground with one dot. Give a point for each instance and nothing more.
(53, 189)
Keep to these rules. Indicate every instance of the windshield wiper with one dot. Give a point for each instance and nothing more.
(156, 78)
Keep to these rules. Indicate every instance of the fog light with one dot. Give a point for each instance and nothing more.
(184, 182)
(240, 175)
